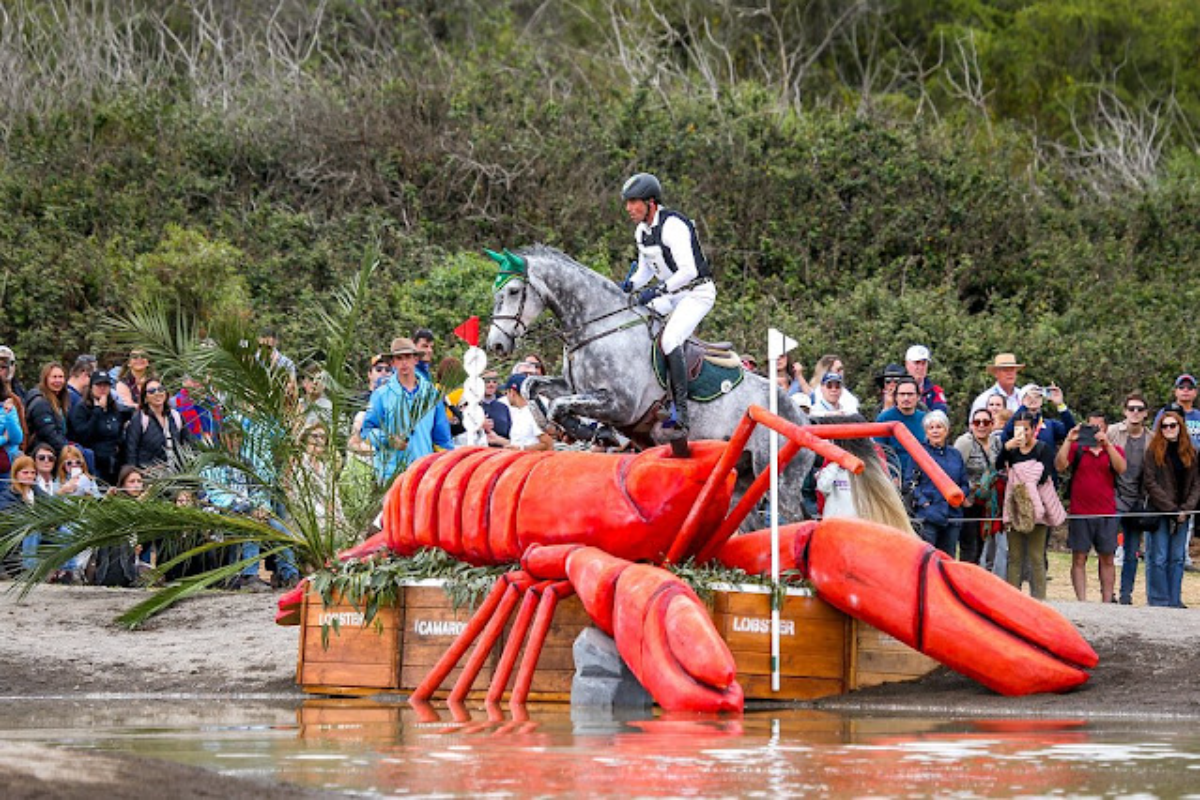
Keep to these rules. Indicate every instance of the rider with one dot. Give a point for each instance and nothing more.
(668, 249)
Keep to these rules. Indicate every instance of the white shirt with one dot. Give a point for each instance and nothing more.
(524, 430)
(833, 481)
(1012, 402)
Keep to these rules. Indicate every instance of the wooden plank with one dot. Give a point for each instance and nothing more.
(867, 678)
(426, 655)
(760, 605)
(820, 664)
(316, 614)
(353, 646)
(345, 712)
(795, 636)
(432, 597)
(758, 687)
(411, 675)
(911, 664)
(339, 674)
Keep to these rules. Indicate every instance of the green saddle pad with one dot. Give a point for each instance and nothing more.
(712, 382)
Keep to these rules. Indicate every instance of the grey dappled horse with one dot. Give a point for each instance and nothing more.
(608, 376)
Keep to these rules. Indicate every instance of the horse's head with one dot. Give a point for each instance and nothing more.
(516, 303)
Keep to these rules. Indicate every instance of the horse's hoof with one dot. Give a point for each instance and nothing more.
(680, 449)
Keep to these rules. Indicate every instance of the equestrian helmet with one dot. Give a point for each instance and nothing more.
(642, 186)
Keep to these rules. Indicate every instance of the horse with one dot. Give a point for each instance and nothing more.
(608, 374)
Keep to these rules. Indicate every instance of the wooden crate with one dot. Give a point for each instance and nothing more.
(354, 657)
(822, 651)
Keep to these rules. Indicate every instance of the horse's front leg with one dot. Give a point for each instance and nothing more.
(597, 405)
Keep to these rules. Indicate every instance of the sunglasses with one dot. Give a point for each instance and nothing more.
(981, 421)
(73, 463)
(156, 390)
(45, 457)
(1170, 426)
(906, 394)
(1135, 409)
(133, 356)
(381, 368)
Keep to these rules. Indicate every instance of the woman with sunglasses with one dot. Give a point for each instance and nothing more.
(156, 434)
(1172, 483)
(983, 501)
(46, 464)
(132, 377)
(74, 480)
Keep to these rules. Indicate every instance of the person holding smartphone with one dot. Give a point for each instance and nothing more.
(1026, 461)
(1095, 463)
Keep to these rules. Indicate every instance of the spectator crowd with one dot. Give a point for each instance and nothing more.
(1126, 488)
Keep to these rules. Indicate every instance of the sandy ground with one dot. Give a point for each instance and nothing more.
(61, 642)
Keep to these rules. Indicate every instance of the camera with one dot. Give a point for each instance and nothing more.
(1087, 435)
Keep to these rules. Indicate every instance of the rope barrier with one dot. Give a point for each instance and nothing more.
(1118, 515)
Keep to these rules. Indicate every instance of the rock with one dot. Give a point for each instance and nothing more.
(601, 678)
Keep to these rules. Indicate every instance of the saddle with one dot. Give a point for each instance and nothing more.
(696, 352)
(713, 368)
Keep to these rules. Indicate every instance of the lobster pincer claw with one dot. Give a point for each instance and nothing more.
(662, 629)
(954, 612)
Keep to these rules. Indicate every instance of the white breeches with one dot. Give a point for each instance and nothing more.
(684, 312)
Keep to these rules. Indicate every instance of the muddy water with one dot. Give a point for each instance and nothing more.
(376, 749)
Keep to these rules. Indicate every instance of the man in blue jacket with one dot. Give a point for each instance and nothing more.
(404, 419)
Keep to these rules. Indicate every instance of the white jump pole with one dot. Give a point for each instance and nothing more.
(777, 345)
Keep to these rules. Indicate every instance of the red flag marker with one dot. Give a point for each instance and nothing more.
(469, 331)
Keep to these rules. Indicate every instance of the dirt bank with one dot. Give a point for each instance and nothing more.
(61, 642)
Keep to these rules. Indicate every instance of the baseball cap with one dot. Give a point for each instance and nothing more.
(1031, 388)
(100, 376)
(830, 377)
(1184, 378)
(514, 382)
(6, 352)
(918, 352)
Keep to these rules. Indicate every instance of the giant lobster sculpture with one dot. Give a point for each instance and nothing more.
(587, 523)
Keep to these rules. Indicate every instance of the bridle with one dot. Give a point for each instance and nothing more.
(517, 319)
(519, 328)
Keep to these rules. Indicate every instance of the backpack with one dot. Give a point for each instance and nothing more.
(174, 415)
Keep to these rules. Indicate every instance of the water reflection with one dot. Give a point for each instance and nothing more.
(391, 749)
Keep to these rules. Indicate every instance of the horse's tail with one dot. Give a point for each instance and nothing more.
(875, 495)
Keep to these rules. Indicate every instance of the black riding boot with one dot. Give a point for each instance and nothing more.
(677, 371)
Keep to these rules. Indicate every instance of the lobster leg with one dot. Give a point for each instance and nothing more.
(537, 639)
(512, 648)
(954, 612)
(504, 593)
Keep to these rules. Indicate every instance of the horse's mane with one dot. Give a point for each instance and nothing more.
(544, 251)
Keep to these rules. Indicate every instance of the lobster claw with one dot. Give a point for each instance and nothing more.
(662, 629)
(956, 613)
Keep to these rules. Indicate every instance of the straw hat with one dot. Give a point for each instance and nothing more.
(1004, 361)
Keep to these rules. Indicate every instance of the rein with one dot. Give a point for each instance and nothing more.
(641, 319)
(520, 328)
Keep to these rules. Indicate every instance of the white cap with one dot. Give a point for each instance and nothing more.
(918, 352)
(1034, 388)
(803, 400)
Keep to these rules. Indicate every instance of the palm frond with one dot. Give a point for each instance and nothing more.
(261, 465)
